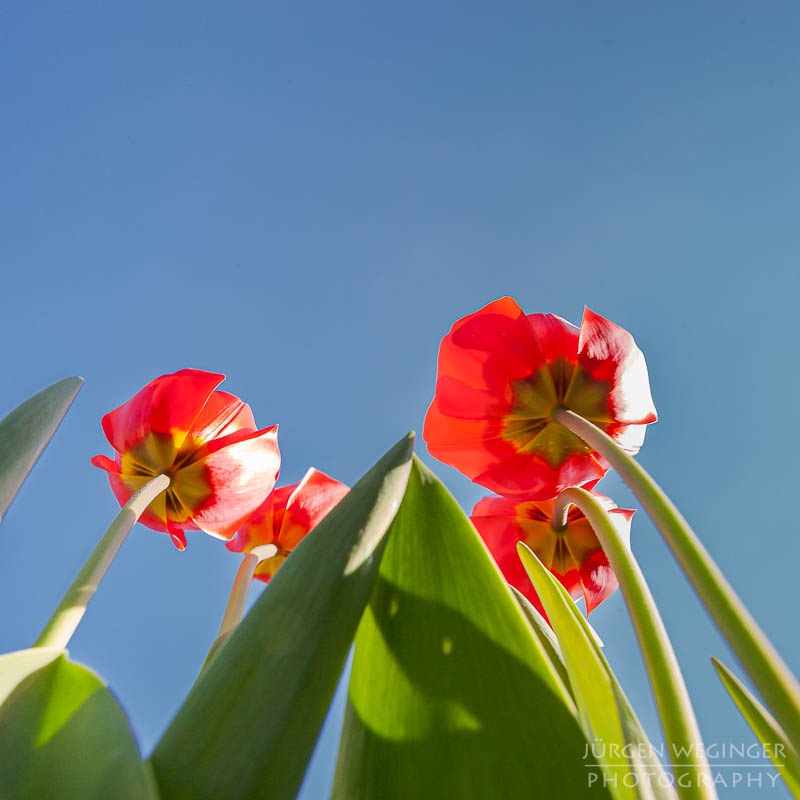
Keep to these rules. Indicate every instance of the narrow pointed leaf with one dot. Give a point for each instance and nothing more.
(25, 432)
(598, 691)
(451, 693)
(15, 667)
(769, 733)
(590, 681)
(249, 725)
(63, 735)
(651, 782)
(547, 639)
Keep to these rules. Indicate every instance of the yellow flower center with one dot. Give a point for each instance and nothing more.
(529, 424)
(158, 454)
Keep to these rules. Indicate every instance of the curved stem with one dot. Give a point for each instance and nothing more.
(769, 673)
(693, 777)
(65, 619)
(234, 611)
(237, 600)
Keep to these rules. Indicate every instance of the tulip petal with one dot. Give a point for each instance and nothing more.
(597, 580)
(531, 476)
(168, 406)
(609, 353)
(574, 555)
(472, 446)
(557, 338)
(259, 528)
(310, 502)
(501, 374)
(266, 569)
(222, 414)
(499, 331)
(123, 486)
(500, 535)
(287, 515)
(241, 470)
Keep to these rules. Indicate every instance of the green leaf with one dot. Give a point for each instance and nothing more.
(652, 782)
(769, 733)
(250, 722)
(605, 713)
(547, 639)
(15, 667)
(452, 694)
(63, 735)
(25, 432)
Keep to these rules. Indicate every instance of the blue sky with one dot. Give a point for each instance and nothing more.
(305, 197)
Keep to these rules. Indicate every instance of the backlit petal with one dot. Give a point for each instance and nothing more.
(309, 503)
(222, 414)
(491, 347)
(220, 467)
(500, 376)
(241, 470)
(167, 406)
(557, 338)
(609, 353)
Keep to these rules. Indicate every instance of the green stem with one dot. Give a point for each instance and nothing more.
(70, 610)
(693, 777)
(769, 673)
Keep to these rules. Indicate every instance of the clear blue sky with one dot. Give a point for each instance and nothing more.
(305, 196)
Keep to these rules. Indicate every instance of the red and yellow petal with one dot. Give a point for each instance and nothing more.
(123, 487)
(240, 471)
(259, 529)
(289, 514)
(267, 568)
(167, 406)
(500, 376)
(309, 503)
(574, 556)
(222, 415)
(500, 533)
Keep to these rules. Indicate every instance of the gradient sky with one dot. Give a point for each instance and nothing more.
(306, 196)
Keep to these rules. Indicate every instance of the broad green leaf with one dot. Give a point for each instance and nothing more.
(249, 725)
(63, 735)
(451, 694)
(25, 432)
(15, 667)
(769, 733)
(626, 756)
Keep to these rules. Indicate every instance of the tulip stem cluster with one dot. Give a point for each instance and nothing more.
(67, 616)
(669, 689)
(757, 655)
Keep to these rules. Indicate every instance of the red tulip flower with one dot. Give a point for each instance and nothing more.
(502, 373)
(286, 516)
(221, 467)
(573, 555)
